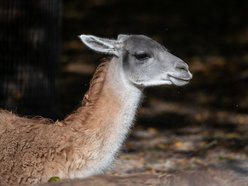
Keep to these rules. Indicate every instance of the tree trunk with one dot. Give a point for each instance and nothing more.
(29, 40)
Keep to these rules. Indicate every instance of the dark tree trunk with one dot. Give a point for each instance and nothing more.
(29, 40)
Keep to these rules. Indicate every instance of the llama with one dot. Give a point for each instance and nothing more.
(85, 143)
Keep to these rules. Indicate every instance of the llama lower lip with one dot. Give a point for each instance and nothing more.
(178, 81)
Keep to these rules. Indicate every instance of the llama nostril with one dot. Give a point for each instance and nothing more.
(182, 66)
(182, 71)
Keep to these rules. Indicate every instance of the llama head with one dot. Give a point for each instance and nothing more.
(145, 62)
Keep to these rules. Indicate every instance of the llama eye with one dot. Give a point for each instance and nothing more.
(141, 56)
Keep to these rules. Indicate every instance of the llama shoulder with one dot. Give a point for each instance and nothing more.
(10, 121)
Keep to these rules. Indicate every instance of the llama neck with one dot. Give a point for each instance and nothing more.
(107, 113)
(110, 96)
(124, 93)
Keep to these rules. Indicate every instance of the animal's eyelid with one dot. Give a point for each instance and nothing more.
(142, 55)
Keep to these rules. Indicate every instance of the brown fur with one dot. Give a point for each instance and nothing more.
(34, 149)
(92, 95)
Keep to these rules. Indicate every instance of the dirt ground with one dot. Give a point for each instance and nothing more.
(189, 148)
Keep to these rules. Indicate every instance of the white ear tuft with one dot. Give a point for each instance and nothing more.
(101, 45)
(122, 37)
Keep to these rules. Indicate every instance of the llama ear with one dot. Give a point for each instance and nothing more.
(101, 45)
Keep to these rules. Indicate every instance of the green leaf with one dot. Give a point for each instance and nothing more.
(54, 179)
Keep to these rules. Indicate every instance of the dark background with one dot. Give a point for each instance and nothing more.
(211, 36)
(45, 69)
(29, 41)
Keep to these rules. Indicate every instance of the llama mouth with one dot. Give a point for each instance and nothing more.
(179, 81)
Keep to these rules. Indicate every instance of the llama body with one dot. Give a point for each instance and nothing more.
(84, 143)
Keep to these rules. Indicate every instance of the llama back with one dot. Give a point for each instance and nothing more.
(6, 121)
(27, 147)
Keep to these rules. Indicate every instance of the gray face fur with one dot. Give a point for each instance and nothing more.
(145, 62)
